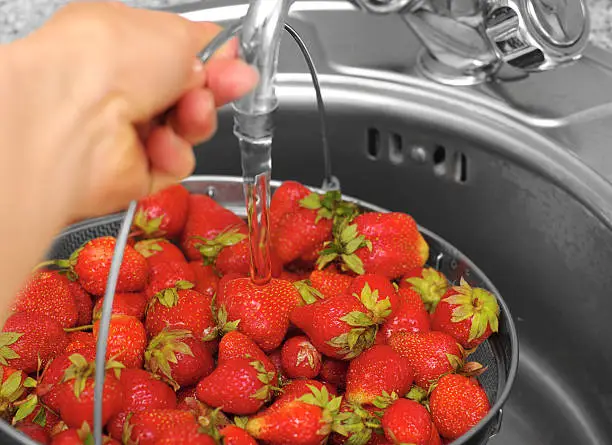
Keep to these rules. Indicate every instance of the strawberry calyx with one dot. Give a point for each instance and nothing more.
(81, 370)
(6, 340)
(358, 424)
(358, 339)
(380, 309)
(306, 354)
(431, 286)
(329, 405)
(241, 421)
(265, 377)
(330, 206)
(385, 400)
(211, 248)
(418, 395)
(27, 406)
(128, 428)
(308, 293)
(169, 297)
(65, 266)
(211, 422)
(162, 351)
(147, 248)
(10, 391)
(223, 326)
(476, 304)
(87, 327)
(345, 242)
(145, 226)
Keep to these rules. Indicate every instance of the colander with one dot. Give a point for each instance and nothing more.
(499, 353)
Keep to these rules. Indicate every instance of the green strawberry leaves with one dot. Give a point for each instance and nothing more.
(306, 354)
(330, 406)
(169, 297)
(353, 343)
(380, 309)
(210, 248)
(476, 304)
(6, 340)
(27, 407)
(147, 248)
(431, 286)
(162, 351)
(330, 206)
(309, 294)
(345, 243)
(81, 371)
(241, 421)
(13, 387)
(146, 226)
(385, 400)
(223, 326)
(357, 424)
(265, 377)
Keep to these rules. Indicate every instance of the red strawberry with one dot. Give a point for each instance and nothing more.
(292, 276)
(277, 361)
(296, 389)
(158, 251)
(130, 303)
(76, 395)
(145, 427)
(237, 345)
(342, 326)
(179, 358)
(262, 311)
(205, 220)
(407, 421)
(457, 404)
(41, 289)
(387, 244)
(167, 275)
(376, 287)
(356, 424)
(191, 436)
(377, 370)
(35, 432)
(300, 358)
(411, 316)
(334, 371)
(469, 314)
(81, 436)
(13, 386)
(241, 386)
(163, 213)
(206, 279)
(234, 435)
(430, 284)
(80, 340)
(237, 259)
(91, 265)
(286, 199)
(83, 303)
(141, 391)
(220, 297)
(127, 340)
(180, 308)
(305, 421)
(26, 338)
(48, 389)
(431, 354)
(329, 282)
(40, 416)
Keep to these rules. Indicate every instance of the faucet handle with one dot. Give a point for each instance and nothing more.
(538, 35)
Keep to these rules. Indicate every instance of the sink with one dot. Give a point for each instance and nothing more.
(514, 173)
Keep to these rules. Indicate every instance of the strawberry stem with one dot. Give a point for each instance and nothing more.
(86, 327)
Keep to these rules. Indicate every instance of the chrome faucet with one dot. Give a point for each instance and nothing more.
(469, 41)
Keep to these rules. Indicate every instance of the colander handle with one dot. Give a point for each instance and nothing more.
(496, 424)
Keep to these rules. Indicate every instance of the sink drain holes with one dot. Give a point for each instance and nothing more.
(373, 143)
(439, 160)
(396, 154)
(461, 168)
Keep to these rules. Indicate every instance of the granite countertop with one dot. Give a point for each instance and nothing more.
(18, 17)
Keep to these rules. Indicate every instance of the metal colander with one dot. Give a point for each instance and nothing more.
(499, 353)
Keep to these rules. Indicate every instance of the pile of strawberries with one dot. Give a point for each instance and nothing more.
(352, 341)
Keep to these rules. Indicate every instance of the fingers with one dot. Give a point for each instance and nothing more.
(195, 117)
(230, 79)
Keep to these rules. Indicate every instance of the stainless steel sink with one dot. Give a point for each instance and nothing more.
(514, 173)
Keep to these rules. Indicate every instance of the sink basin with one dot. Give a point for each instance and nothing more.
(516, 175)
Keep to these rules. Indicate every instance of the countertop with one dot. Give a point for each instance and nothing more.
(18, 17)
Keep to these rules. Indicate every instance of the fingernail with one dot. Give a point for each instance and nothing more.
(198, 66)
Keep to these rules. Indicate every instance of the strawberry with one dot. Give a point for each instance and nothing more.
(329, 282)
(127, 340)
(469, 314)
(14, 385)
(44, 287)
(90, 264)
(334, 371)
(287, 275)
(407, 421)
(179, 358)
(206, 220)
(192, 436)
(145, 427)
(262, 312)
(159, 250)
(377, 370)
(206, 278)
(430, 284)
(296, 389)
(141, 391)
(241, 386)
(237, 259)
(378, 286)
(83, 303)
(211, 418)
(277, 361)
(81, 436)
(166, 275)
(234, 435)
(356, 424)
(76, 393)
(388, 244)
(431, 354)
(220, 297)
(181, 308)
(304, 421)
(80, 340)
(457, 404)
(27, 338)
(48, 389)
(35, 432)
(237, 345)
(129, 303)
(162, 213)
(411, 316)
(300, 358)
(342, 326)
(40, 416)
(286, 199)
